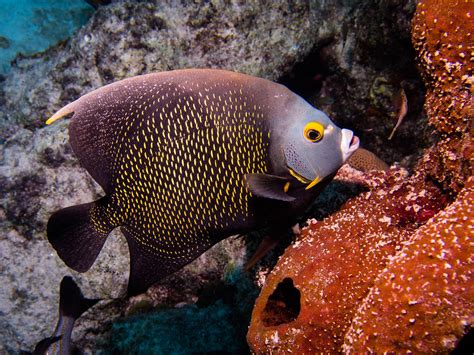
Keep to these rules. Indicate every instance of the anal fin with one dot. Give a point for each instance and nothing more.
(146, 268)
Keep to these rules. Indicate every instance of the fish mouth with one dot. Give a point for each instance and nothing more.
(349, 143)
(301, 178)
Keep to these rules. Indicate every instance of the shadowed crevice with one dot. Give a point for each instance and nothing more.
(283, 305)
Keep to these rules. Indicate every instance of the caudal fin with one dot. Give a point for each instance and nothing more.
(71, 233)
(71, 301)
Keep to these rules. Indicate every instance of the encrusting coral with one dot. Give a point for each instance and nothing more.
(443, 37)
(392, 270)
(424, 297)
(334, 263)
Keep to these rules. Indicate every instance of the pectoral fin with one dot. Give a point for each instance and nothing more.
(269, 186)
(267, 244)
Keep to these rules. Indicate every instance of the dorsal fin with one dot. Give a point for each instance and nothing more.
(66, 110)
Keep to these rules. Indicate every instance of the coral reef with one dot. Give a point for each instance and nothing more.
(442, 36)
(369, 264)
(424, 296)
(394, 256)
(334, 263)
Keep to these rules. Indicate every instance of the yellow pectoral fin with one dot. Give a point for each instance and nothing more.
(314, 182)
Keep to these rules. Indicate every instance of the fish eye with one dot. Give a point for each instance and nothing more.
(314, 132)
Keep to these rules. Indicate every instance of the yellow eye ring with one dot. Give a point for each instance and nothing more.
(314, 132)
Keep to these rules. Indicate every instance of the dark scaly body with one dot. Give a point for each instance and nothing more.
(176, 178)
(174, 171)
(172, 151)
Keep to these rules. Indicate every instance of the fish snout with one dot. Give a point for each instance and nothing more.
(349, 143)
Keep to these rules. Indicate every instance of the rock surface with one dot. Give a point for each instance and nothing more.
(30, 26)
(127, 39)
(356, 75)
(351, 65)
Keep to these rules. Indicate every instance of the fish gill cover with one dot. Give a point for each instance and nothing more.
(31, 26)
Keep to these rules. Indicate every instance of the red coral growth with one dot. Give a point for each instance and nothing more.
(443, 38)
(422, 206)
(333, 264)
(425, 296)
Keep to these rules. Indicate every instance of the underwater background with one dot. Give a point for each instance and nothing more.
(31, 26)
(361, 62)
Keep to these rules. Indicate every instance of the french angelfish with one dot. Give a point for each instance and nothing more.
(72, 304)
(187, 158)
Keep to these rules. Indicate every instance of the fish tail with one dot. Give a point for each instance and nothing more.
(42, 347)
(72, 303)
(78, 233)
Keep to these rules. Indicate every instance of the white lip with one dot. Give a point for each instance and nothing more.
(349, 143)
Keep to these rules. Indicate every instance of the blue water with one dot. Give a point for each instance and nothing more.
(31, 26)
